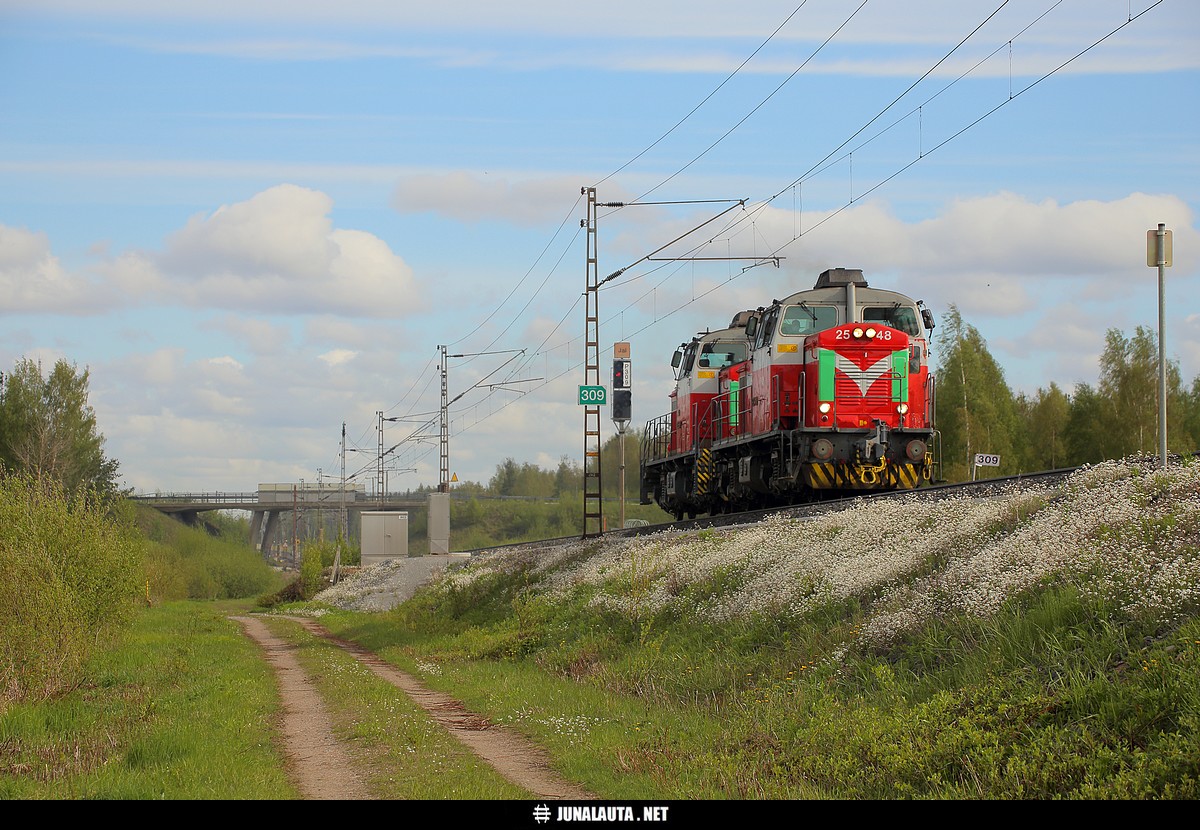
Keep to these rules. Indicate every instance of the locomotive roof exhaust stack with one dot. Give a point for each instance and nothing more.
(740, 319)
(848, 277)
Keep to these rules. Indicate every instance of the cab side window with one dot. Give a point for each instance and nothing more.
(799, 320)
(689, 357)
(902, 318)
(767, 329)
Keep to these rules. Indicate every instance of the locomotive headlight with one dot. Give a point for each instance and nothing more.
(870, 333)
(822, 449)
(825, 406)
(858, 332)
(902, 409)
(915, 450)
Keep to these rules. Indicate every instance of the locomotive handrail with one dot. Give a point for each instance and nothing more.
(802, 419)
(719, 407)
(930, 400)
(657, 435)
(773, 414)
(701, 426)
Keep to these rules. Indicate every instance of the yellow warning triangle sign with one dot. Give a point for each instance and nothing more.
(454, 477)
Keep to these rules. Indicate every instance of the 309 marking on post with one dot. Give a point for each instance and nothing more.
(593, 396)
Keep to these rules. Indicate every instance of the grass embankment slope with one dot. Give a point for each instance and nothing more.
(1043, 644)
(1037, 645)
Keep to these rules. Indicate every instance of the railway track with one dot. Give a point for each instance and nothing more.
(981, 488)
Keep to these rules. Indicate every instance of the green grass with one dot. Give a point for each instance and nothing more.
(404, 754)
(656, 670)
(182, 709)
(1030, 705)
(70, 578)
(1079, 682)
(1044, 701)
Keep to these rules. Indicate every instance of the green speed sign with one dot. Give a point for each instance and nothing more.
(593, 396)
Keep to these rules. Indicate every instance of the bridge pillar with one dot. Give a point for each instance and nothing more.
(256, 528)
(272, 530)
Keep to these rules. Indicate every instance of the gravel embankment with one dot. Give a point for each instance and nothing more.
(384, 586)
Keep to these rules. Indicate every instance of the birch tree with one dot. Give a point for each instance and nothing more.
(1128, 389)
(975, 409)
(1045, 418)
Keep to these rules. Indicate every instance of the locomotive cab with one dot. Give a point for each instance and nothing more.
(671, 442)
(698, 365)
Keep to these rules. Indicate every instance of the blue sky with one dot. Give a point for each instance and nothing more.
(253, 222)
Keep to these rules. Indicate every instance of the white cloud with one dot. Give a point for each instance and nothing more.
(215, 402)
(159, 368)
(33, 280)
(226, 360)
(337, 357)
(495, 33)
(326, 329)
(470, 197)
(262, 337)
(279, 251)
(281, 231)
(993, 255)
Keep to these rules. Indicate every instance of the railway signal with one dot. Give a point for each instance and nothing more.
(622, 411)
(622, 387)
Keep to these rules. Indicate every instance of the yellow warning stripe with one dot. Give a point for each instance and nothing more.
(830, 476)
(704, 471)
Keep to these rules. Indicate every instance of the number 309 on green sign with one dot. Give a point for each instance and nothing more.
(593, 395)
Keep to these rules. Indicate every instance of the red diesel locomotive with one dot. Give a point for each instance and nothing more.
(826, 392)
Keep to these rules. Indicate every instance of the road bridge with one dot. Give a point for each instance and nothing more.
(315, 509)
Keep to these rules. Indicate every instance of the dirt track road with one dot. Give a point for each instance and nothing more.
(323, 769)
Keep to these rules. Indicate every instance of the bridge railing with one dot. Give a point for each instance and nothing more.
(307, 497)
(198, 498)
(274, 497)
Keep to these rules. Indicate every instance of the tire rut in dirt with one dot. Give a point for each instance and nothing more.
(512, 755)
(317, 762)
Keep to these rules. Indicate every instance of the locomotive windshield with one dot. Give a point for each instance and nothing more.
(721, 354)
(896, 316)
(804, 319)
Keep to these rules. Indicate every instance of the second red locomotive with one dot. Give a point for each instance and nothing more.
(825, 392)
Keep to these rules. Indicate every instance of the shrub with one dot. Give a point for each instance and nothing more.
(312, 578)
(188, 563)
(328, 552)
(70, 576)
